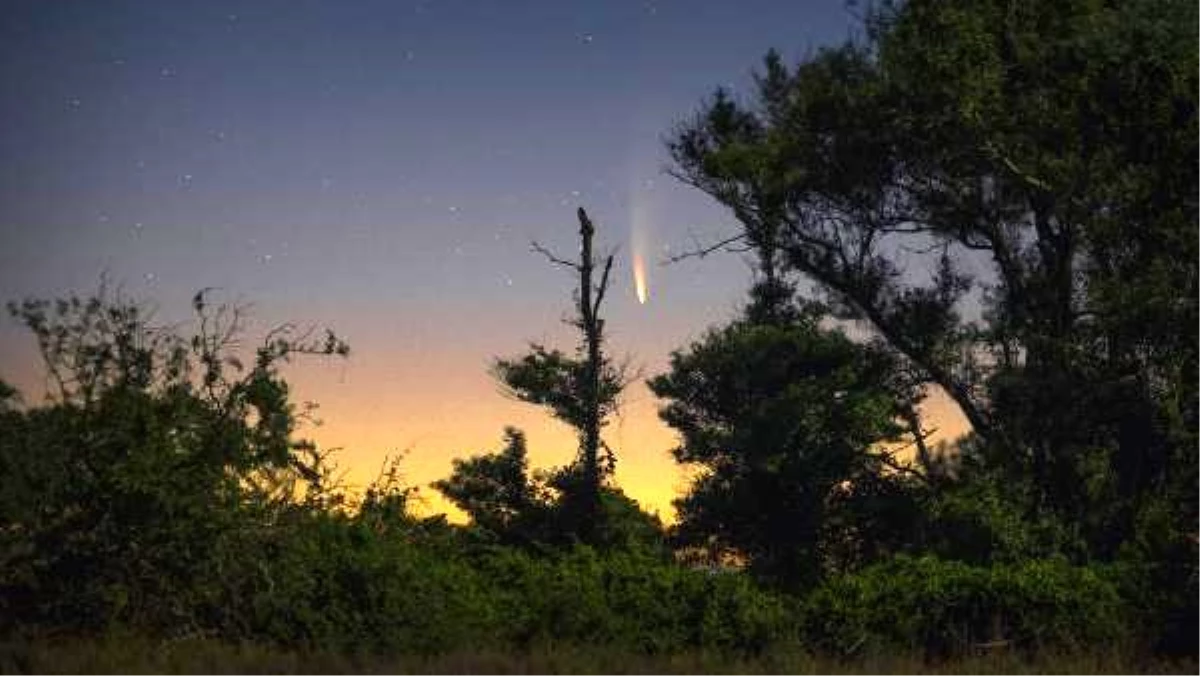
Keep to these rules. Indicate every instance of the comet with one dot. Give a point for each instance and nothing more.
(641, 234)
(639, 277)
(639, 241)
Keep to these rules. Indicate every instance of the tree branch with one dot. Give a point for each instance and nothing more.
(913, 420)
(703, 252)
(888, 461)
(538, 248)
(938, 374)
(603, 286)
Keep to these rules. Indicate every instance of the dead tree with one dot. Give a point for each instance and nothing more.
(581, 390)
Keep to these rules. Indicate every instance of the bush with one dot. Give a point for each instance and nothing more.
(330, 582)
(636, 601)
(947, 607)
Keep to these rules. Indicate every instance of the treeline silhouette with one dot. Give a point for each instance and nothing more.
(1007, 213)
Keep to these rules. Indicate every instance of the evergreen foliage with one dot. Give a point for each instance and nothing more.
(1055, 146)
(785, 419)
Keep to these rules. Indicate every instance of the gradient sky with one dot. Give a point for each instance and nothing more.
(380, 168)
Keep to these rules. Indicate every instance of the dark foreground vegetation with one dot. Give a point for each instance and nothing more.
(126, 654)
(160, 511)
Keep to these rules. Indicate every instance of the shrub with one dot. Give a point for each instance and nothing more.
(945, 607)
(632, 600)
(330, 582)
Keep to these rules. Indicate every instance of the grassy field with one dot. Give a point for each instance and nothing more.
(124, 654)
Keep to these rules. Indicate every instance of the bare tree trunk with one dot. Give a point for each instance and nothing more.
(591, 387)
(592, 327)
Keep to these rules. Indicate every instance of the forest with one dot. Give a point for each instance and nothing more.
(1006, 214)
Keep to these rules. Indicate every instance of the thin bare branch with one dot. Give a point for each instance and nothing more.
(703, 252)
(538, 248)
(912, 418)
(888, 461)
(603, 286)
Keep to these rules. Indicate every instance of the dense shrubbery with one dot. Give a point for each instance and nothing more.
(945, 607)
(634, 601)
(125, 654)
(338, 586)
(331, 581)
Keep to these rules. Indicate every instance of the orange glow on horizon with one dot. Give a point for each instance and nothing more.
(458, 412)
(430, 399)
(444, 405)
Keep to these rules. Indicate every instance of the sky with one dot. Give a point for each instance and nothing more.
(381, 168)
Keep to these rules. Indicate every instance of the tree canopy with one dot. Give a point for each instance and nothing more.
(786, 422)
(1011, 209)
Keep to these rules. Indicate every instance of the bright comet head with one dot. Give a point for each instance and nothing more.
(639, 278)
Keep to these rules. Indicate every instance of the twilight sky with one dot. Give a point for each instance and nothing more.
(380, 168)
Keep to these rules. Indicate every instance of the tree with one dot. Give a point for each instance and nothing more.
(786, 420)
(581, 390)
(1053, 146)
(510, 505)
(498, 493)
(118, 491)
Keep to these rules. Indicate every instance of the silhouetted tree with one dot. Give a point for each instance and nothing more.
(511, 505)
(118, 491)
(498, 493)
(1054, 146)
(785, 420)
(581, 390)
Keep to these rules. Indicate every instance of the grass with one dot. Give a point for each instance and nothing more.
(131, 654)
